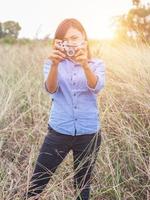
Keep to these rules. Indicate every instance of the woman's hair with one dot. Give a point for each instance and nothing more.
(65, 25)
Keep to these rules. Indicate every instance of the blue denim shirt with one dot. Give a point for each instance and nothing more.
(74, 109)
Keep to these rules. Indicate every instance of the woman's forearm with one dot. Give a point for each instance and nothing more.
(90, 76)
(51, 82)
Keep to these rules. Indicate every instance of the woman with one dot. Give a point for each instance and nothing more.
(73, 82)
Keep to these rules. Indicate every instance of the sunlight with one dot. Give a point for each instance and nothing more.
(95, 15)
(102, 29)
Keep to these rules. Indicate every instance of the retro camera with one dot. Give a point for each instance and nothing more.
(69, 48)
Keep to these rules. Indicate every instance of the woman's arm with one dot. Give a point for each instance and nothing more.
(91, 77)
(95, 80)
(51, 83)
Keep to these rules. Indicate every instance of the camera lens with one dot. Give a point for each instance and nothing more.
(70, 52)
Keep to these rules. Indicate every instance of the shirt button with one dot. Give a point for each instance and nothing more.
(74, 73)
(73, 83)
(75, 107)
(76, 119)
(74, 94)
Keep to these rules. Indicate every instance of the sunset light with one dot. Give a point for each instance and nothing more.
(40, 18)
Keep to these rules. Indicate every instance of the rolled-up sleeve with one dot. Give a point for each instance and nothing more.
(46, 68)
(99, 71)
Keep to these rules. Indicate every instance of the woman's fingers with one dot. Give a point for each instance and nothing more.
(58, 40)
(82, 48)
(81, 57)
(59, 53)
(55, 56)
(80, 52)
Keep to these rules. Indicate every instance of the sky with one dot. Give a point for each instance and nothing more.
(38, 18)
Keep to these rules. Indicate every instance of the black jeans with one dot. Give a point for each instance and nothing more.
(52, 152)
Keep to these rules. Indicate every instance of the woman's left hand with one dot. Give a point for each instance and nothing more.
(81, 55)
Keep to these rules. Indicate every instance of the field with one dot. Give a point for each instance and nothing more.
(122, 170)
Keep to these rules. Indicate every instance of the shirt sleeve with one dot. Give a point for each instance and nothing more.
(99, 71)
(46, 68)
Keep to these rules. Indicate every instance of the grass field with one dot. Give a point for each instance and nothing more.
(122, 170)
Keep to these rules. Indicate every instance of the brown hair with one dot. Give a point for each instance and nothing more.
(65, 25)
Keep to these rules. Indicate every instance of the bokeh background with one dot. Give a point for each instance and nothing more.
(119, 33)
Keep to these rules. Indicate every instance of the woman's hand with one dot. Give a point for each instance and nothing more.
(81, 55)
(56, 54)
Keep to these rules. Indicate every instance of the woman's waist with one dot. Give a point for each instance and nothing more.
(79, 108)
(71, 114)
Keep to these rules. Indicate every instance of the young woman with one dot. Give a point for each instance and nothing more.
(73, 82)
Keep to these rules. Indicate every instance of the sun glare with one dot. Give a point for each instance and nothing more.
(95, 16)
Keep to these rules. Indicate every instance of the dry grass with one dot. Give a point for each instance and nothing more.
(122, 170)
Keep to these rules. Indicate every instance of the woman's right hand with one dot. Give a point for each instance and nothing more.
(56, 54)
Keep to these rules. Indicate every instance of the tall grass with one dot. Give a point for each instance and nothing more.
(122, 170)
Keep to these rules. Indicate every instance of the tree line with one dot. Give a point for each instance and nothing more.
(9, 29)
(135, 24)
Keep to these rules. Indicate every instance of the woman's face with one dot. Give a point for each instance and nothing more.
(73, 35)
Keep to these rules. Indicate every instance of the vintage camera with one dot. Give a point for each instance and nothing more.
(70, 49)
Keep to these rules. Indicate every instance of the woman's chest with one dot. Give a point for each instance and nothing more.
(72, 76)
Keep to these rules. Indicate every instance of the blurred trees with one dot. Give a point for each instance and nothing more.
(135, 24)
(1, 31)
(9, 29)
